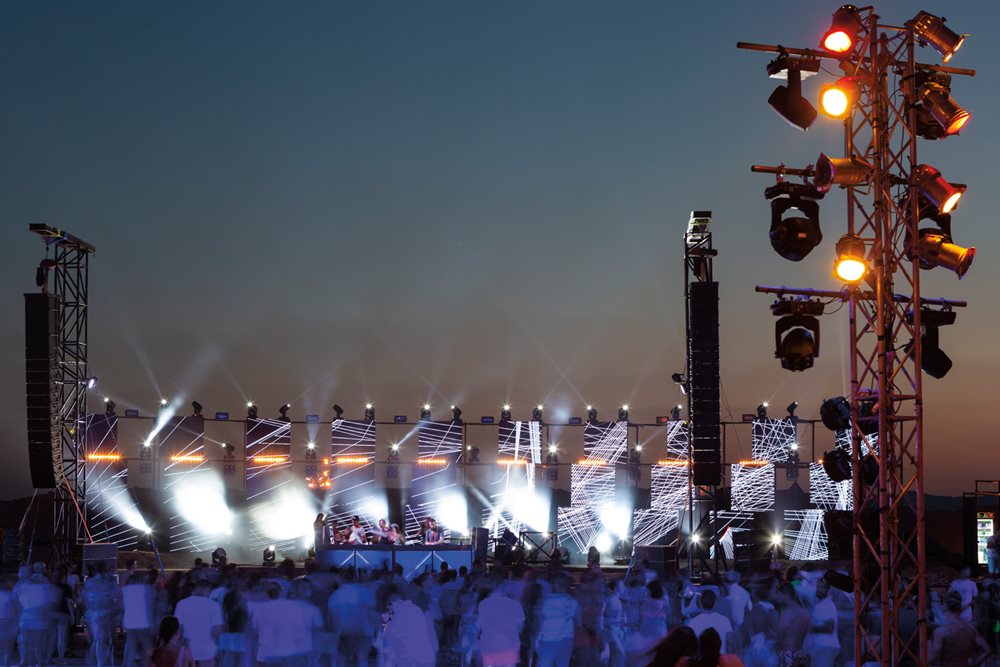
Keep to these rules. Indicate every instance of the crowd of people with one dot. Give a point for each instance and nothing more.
(548, 616)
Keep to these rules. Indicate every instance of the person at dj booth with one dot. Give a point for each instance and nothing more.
(380, 534)
(432, 535)
(321, 531)
(395, 535)
(356, 533)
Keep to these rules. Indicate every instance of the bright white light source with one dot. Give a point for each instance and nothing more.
(553, 449)
(368, 406)
(452, 512)
(249, 404)
(604, 542)
(695, 538)
(201, 500)
(287, 515)
(311, 445)
(615, 518)
(775, 540)
(528, 507)
(427, 406)
(163, 401)
(795, 446)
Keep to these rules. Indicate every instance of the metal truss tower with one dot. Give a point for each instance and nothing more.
(64, 274)
(887, 195)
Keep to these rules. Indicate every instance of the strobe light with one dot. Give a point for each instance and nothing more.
(843, 171)
(932, 31)
(845, 27)
(787, 100)
(835, 413)
(936, 249)
(851, 264)
(940, 192)
(794, 219)
(796, 333)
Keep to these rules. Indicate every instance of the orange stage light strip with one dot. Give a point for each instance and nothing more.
(512, 462)
(432, 462)
(269, 460)
(104, 457)
(591, 462)
(673, 463)
(754, 463)
(353, 460)
(187, 458)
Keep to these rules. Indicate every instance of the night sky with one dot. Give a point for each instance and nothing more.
(464, 203)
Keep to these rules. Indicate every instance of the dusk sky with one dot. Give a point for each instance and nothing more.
(449, 202)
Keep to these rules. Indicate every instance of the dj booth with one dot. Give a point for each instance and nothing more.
(414, 559)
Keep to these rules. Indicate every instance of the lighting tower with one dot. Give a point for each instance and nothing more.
(63, 274)
(701, 299)
(887, 101)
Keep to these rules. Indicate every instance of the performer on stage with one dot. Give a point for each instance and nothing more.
(357, 531)
(381, 534)
(321, 531)
(395, 535)
(431, 533)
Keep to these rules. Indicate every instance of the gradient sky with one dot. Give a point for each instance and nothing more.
(448, 202)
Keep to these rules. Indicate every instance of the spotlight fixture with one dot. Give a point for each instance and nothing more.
(553, 449)
(941, 193)
(936, 249)
(251, 411)
(283, 411)
(42, 273)
(787, 100)
(369, 412)
(681, 382)
(675, 413)
(842, 171)
(837, 465)
(456, 414)
(762, 410)
(229, 452)
(109, 407)
(196, 409)
(473, 454)
(933, 360)
(505, 413)
(851, 264)
(536, 414)
(269, 556)
(837, 99)
(796, 333)
(937, 101)
(591, 414)
(338, 411)
(794, 219)
(425, 412)
(835, 413)
(163, 403)
(932, 31)
(845, 27)
(393, 455)
(91, 382)
(623, 413)
(792, 407)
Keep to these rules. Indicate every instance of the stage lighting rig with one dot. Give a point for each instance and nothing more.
(623, 413)
(456, 414)
(845, 29)
(796, 333)
(269, 556)
(338, 411)
(505, 413)
(591, 414)
(937, 105)
(792, 407)
(196, 409)
(835, 413)
(251, 410)
(794, 219)
(935, 362)
(109, 407)
(787, 100)
(851, 264)
(936, 249)
(536, 414)
(369, 412)
(283, 411)
(930, 30)
(762, 411)
(425, 412)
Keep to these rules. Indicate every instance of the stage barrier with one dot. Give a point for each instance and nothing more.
(415, 559)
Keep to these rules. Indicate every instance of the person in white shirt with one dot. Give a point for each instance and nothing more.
(357, 532)
(138, 598)
(822, 643)
(500, 622)
(739, 597)
(965, 587)
(201, 620)
(409, 639)
(709, 618)
(285, 627)
(381, 534)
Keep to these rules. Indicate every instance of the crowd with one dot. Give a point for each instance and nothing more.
(221, 615)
